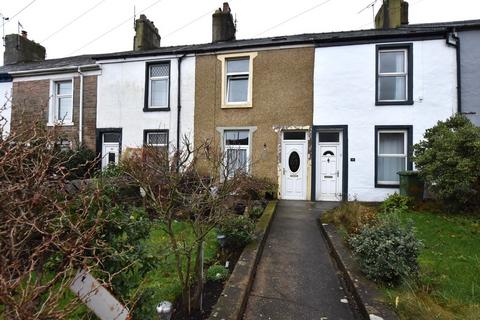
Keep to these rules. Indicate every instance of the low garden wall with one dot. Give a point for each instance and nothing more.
(233, 300)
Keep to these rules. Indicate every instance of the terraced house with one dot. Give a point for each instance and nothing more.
(328, 116)
(58, 92)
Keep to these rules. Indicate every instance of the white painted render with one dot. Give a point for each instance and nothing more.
(5, 106)
(121, 89)
(344, 94)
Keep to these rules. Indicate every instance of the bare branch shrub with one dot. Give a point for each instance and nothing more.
(47, 232)
(192, 185)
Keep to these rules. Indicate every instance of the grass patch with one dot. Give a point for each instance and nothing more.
(448, 285)
(163, 280)
(449, 280)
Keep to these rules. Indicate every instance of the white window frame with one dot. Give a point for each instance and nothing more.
(251, 130)
(237, 147)
(150, 79)
(239, 76)
(225, 83)
(393, 74)
(387, 155)
(53, 118)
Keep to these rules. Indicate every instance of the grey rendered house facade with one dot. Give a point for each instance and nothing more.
(469, 73)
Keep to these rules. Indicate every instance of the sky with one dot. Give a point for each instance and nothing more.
(72, 27)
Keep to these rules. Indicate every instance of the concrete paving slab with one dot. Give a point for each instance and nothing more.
(296, 278)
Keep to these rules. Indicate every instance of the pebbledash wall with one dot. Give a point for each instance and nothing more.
(5, 106)
(121, 91)
(344, 94)
(31, 99)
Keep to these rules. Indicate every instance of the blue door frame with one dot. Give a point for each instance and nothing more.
(344, 130)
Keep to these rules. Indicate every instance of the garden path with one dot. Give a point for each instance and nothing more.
(296, 278)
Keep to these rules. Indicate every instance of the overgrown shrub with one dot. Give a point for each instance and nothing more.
(254, 188)
(126, 232)
(396, 202)
(217, 273)
(78, 162)
(238, 230)
(387, 252)
(352, 216)
(256, 212)
(126, 260)
(48, 230)
(448, 159)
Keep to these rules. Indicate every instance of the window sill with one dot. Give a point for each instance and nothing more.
(156, 109)
(387, 186)
(394, 103)
(237, 106)
(60, 124)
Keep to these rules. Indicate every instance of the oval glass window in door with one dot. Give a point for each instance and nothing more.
(294, 161)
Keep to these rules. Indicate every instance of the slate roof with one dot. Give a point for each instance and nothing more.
(327, 38)
(49, 64)
(462, 24)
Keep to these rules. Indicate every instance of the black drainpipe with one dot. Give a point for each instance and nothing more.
(179, 107)
(459, 66)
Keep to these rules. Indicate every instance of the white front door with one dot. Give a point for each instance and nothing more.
(329, 182)
(110, 153)
(294, 164)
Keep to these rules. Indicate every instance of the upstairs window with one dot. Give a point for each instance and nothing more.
(158, 87)
(394, 75)
(236, 147)
(237, 80)
(62, 104)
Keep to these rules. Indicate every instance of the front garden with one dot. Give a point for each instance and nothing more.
(424, 254)
(156, 227)
(447, 283)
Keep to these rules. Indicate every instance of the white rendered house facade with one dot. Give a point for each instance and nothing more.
(372, 101)
(139, 102)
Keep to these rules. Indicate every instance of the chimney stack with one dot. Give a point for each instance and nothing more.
(146, 35)
(18, 48)
(223, 26)
(392, 14)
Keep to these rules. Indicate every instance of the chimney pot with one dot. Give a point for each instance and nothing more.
(24, 34)
(226, 7)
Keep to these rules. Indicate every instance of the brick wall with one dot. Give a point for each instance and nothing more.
(89, 111)
(31, 101)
